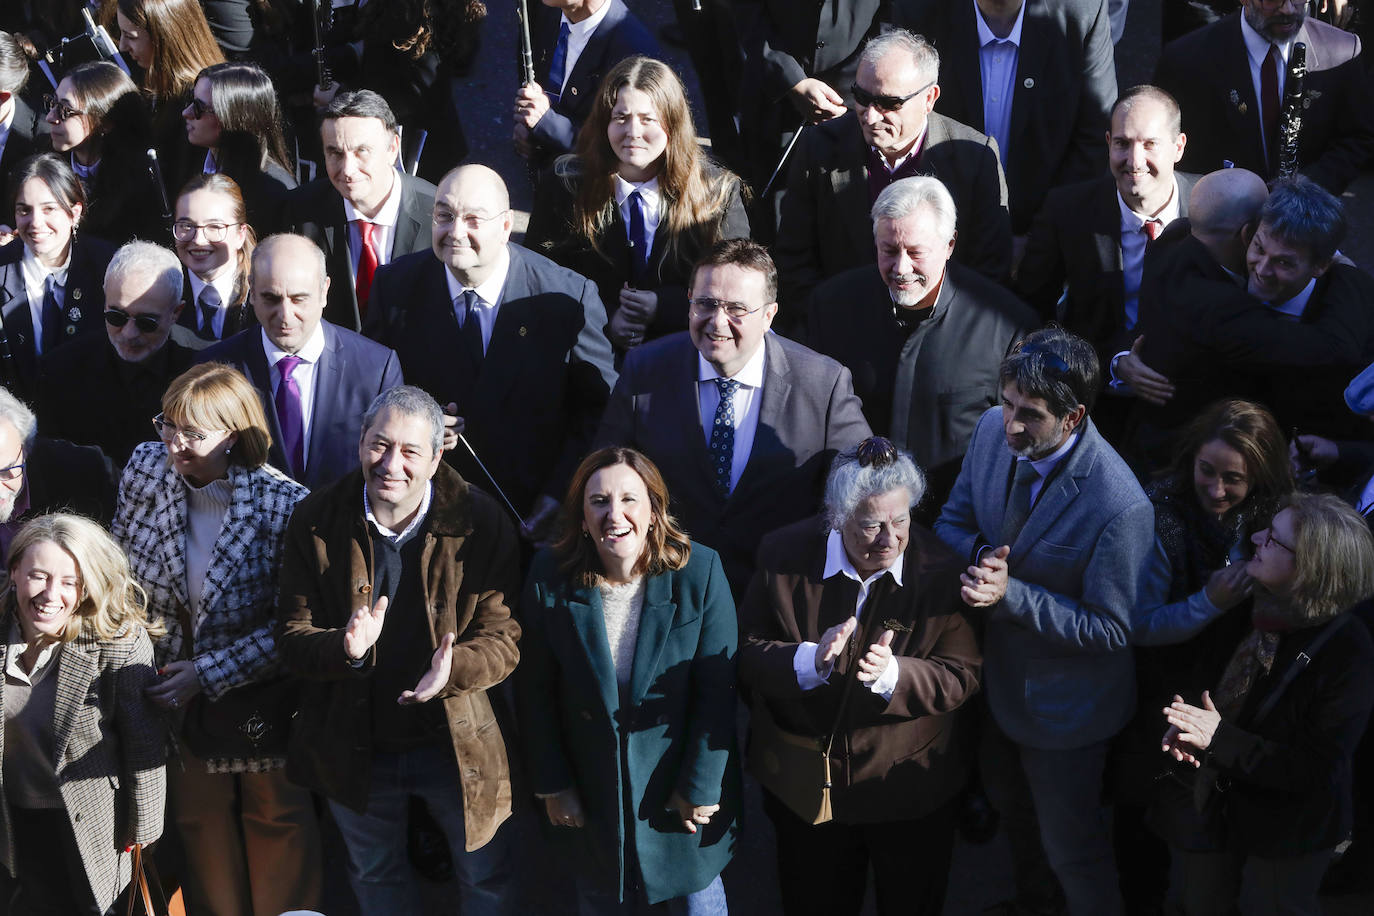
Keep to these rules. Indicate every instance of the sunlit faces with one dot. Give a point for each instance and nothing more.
(67, 133)
(636, 135)
(1032, 431)
(202, 125)
(134, 42)
(398, 459)
(1274, 563)
(617, 516)
(43, 223)
(726, 343)
(912, 252)
(137, 293)
(287, 295)
(1278, 269)
(894, 75)
(1220, 479)
(876, 533)
(1142, 154)
(207, 209)
(1276, 20)
(11, 458)
(47, 591)
(360, 156)
(199, 455)
(472, 223)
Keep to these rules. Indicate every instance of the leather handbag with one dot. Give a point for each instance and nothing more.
(145, 887)
(247, 722)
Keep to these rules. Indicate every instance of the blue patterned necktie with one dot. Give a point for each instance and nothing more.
(639, 241)
(559, 60)
(472, 328)
(723, 434)
(51, 315)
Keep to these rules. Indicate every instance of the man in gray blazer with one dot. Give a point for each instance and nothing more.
(1057, 532)
(743, 424)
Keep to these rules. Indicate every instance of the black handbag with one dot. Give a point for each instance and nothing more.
(246, 722)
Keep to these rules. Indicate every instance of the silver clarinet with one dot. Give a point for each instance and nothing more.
(1290, 118)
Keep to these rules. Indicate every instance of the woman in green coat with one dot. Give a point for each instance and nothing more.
(626, 693)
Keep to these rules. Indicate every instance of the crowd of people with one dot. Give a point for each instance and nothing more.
(958, 442)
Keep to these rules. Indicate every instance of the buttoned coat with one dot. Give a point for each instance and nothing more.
(676, 717)
(468, 570)
(110, 746)
(25, 138)
(1057, 660)
(235, 640)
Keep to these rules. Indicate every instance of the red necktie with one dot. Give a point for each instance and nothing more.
(367, 266)
(1269, 102)
(1152, 228)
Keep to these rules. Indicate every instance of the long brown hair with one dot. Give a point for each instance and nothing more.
(182, 44)
(667, 546)
(221, 183)
(1254, 433)
(250, 117)
(694, 198)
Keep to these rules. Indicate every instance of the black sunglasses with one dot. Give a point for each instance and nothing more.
(117, 318)
(866, 99)
(199, 109)
(876, 451)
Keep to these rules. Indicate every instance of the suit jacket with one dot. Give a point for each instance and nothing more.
(1058, 664)
(620, 35)
(469, 566)
(1072, 270)
(895, 759)
(531, 407)
(1209, 73)
(807, 415)
(351, 372)
(784, 44)
(236, 622)
(63, 477)
(83, 306)
(109, 750)
(1065, 87)
(826, 228)
(316, 210)
(676, 716)
(25, 129)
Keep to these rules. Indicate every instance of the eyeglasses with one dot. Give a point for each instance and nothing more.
(183, 230)
(199, 109)
(876, 451)
(866, 99)
(168, 432)
(117, 318)
(1270, 539)
(64, 111)
(443, 219)
(705, 307)
(13, 472)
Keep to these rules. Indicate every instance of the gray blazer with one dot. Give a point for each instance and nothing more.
(1057, 661)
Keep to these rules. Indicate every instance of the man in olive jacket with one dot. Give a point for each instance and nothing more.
(395, 612)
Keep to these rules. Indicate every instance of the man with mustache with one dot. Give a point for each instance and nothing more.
(923, 335)
(1230, 78)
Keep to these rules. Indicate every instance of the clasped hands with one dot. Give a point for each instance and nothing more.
(564, 809)
(833, 641)
(1191, 729)
(365, 627)
(985, 583)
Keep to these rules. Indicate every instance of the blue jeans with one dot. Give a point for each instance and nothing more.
(378, 869)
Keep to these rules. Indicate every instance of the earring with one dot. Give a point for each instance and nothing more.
(228, 449)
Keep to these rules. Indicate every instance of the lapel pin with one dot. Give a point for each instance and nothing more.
(573, 90)
(76, 293)
(523, 332)
(895, 626)
(1029, 83)
(71, 329)
(1244, 108)
(74, 314)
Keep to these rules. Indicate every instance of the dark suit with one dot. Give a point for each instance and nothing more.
(351, 371)
(925, 389)
(1065, 87)
(82, 308)
(316, 210)
(826, 227)
(1208, 72)
(63, 477)
(620, 35)
(25, 129)
(531, 407)
(807, 414)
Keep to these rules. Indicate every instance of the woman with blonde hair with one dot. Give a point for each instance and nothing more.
(202, 517)
(215, 244)
(83, 774)
(638, 203)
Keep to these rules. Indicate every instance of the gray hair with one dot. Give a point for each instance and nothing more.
(412, 401)
(264, 248)
(140, 258)
(1302, 212)
(902, 198)
(17, 414)
(851, 482)
(923, 54)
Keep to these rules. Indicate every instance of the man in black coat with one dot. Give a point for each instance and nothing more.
(20, 125)
(1218, 76)
(838, 169)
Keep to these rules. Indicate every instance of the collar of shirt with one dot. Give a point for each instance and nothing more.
(910, 319)
(1045, 466)
(750, 376)
(648, 190)
(1257, 48)
(310, 353)
(209, 166)
(35, 274)
(390, 210)
(579, 33)
(837, 562)
(86, 172)
(985, 36)
(223, 284)
(905, 157)
(399, 537)
(1131, 221)
(489, 290)
(17, 646)
(1298, 304)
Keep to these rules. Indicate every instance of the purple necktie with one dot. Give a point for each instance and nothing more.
(289, 415)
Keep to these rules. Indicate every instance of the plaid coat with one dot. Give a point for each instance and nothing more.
(109, 744)
(235, 643)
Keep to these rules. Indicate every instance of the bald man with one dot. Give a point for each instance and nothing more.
(513, 342)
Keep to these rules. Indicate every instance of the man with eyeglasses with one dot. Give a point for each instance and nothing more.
(1231, 79)
(840, 167)
(1058, 535)
(101, 392)
(742, 423)
(513, 343)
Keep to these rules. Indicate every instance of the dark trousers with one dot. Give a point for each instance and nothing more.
(51, 880)
(823, 868)
(1215, 883)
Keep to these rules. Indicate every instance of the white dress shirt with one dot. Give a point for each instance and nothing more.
(35, 276)
(488, 297)
(653, 201)
(579, 33)
(384, 227)
(837, 564)
(1133, 239)
(304, 375)
(746, 400)
(224, 285)
(1256, 50)
(997, 60)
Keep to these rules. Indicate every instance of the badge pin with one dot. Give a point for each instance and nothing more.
(1029, 83)
(73, 314)
(76, 293)
(523, 332)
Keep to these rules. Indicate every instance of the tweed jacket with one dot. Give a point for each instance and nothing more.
(110, 745)
(235, 641)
